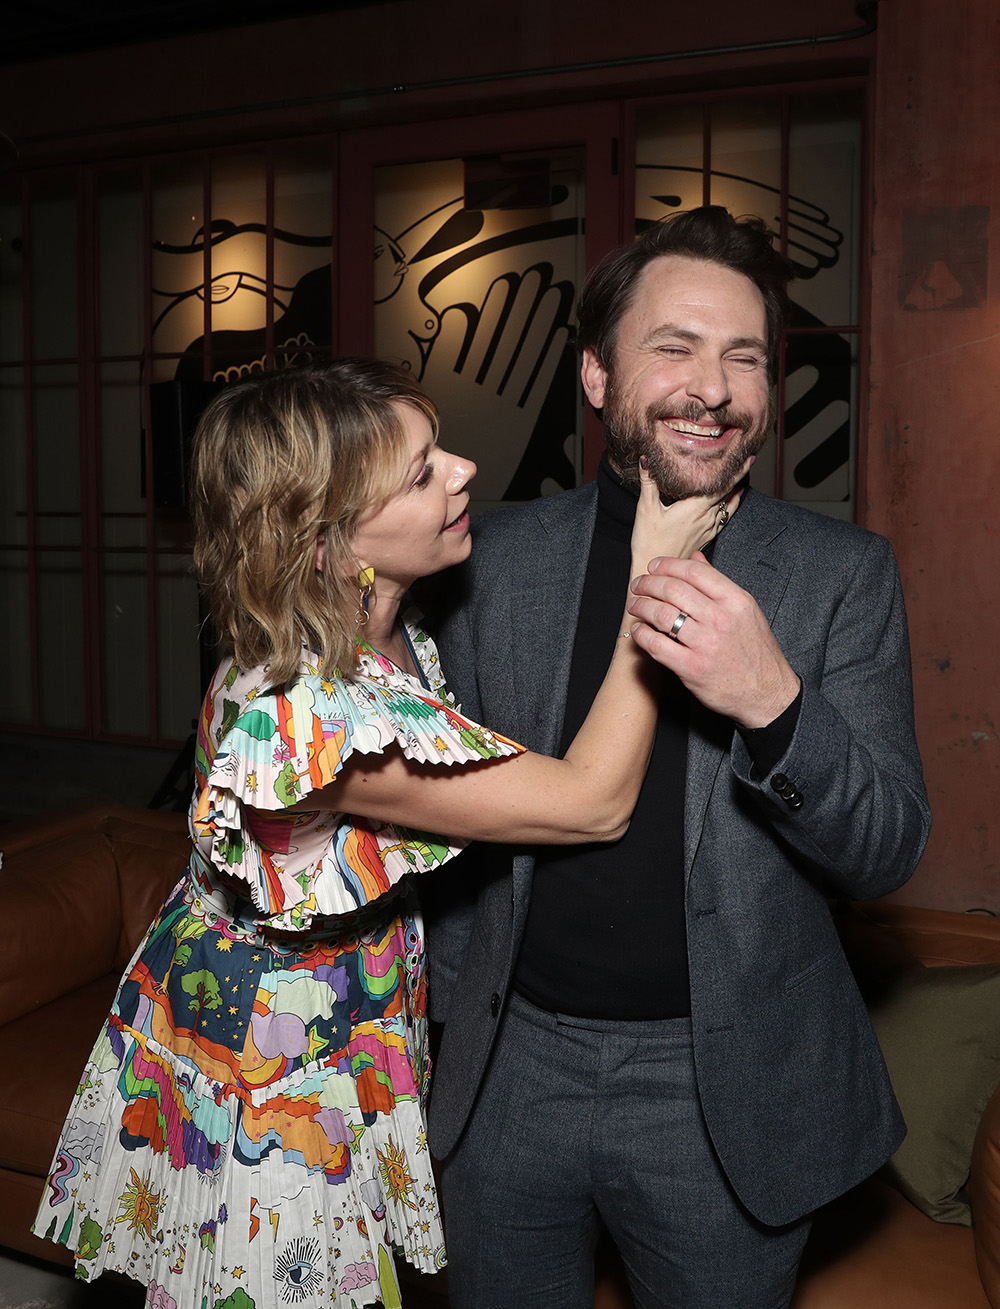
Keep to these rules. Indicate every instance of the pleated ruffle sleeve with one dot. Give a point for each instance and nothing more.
(263, 749)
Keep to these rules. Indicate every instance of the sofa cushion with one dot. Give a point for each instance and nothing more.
(42, 1056)
(150, 859)
(63, 897)
(984, 1191)
(17, 834)
(939, 1029)
(871, 1249)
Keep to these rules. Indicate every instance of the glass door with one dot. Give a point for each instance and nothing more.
(795, 160)
(465, 267)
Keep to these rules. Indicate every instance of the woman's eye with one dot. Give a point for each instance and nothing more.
(425, 475)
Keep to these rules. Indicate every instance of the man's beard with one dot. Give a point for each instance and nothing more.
(680, 472)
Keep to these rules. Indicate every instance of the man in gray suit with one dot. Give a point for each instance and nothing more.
(662, 1035)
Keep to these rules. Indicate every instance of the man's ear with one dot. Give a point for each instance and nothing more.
(594, 378)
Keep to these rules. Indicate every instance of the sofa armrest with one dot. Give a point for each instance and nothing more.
(984, 1192)
(62, 920)
(151, 853)
(19, 834)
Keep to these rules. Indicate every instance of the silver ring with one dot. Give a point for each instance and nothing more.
(679, 622)
(723, 515)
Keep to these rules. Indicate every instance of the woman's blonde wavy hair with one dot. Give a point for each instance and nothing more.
(279, 463)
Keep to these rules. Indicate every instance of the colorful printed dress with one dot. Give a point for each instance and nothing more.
(248, 1131)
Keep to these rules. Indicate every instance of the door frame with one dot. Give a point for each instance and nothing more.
(595, 128)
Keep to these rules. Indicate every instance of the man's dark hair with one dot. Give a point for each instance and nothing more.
(710, 233)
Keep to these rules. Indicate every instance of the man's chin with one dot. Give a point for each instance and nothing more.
(696, 476)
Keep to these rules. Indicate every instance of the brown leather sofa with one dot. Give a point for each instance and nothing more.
(77, 894)
(872, 1249)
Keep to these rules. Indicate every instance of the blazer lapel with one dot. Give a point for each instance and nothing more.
(542, 627)
(750, 553)
(544, 609)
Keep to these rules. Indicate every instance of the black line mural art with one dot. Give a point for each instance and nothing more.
(818, 366)
(483, 319)
(302, 312)
(482, 314)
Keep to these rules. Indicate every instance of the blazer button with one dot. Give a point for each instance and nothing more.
(495, 1004)
(787, 791)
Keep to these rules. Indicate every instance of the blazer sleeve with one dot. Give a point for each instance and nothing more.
(848, 793)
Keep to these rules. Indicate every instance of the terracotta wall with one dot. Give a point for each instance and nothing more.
(934, 448)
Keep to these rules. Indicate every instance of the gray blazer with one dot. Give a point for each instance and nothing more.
(790, 1076)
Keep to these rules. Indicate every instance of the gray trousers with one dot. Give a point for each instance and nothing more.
(584, 1121)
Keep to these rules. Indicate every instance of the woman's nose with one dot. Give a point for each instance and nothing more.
(462, 472)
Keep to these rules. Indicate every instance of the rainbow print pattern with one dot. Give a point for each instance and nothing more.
(248, 1132)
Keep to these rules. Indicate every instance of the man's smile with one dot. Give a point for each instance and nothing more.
(698, 434)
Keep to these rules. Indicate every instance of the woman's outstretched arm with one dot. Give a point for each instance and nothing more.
(586, 796)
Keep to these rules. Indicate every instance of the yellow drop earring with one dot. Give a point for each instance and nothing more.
(366, 585)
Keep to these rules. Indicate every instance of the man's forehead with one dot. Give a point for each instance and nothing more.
(683, 270)
(671, 278)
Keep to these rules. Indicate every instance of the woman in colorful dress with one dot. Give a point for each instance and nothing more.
(248, 1131)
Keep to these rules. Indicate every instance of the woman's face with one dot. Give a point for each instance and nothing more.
(425, 526)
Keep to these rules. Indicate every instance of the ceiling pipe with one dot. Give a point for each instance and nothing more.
(866, 10)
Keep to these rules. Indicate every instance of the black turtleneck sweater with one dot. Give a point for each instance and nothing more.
(605, 935)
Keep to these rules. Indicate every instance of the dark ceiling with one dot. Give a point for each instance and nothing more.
(37, 31)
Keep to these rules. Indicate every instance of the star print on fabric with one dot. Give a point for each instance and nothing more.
(322, 1020)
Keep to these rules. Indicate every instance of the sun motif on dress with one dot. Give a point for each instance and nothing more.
(140, 1205)
(162, 1086)
(397, 1181)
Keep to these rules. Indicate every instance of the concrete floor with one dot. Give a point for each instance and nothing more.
(28, 1284)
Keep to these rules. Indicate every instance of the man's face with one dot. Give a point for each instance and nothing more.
(688, 385)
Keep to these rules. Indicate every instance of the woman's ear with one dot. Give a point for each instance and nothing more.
(320, 552)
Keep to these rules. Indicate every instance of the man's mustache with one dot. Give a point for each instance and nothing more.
(692, 413)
